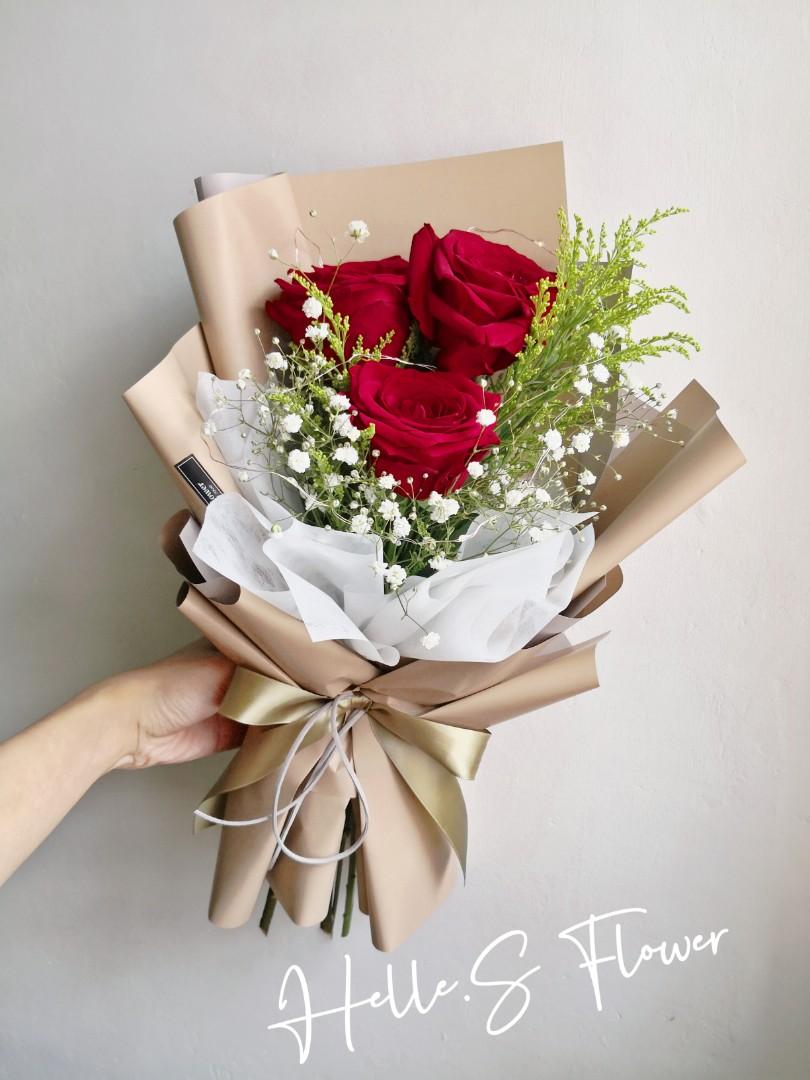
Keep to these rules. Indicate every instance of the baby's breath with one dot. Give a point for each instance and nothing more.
(567, 406)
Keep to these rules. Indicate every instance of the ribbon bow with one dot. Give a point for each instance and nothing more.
(429, 756)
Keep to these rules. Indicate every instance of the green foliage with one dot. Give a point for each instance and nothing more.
(563, 400)
(598, 292)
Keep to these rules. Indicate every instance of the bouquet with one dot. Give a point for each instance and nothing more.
(414, 448)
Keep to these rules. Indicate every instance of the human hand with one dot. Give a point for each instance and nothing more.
(168, 710)
(163, 713)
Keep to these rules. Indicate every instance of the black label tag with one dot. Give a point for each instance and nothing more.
(197, 478)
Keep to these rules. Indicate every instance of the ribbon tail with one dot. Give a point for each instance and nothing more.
(259, 755)
(407, 866)
(433, 785)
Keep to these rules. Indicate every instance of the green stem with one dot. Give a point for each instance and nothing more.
(328, 924)
(348, 906)
(267, 913)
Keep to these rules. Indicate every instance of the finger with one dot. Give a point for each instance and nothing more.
(230, 734)
(210, 736)
(193, 684)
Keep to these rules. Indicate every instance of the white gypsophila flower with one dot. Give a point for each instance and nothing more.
(553, 439)
(241, 384)
(514, 497)
(339, 402)
(209, 428)
(358, 230)
(596, 341)
(586, 478)
(317, 331)
(400, 527)
(395, 576)
(360, 523)
(441, 508)
(388, 510)
(333, 480)
(430, 640)
(583, 369)
(346, 453)
(243, 476)
(292, 423)
(387, 481)
(542, 496)
(495, 487)
(581, 441)
(672, 414)
(621, 437)
(298, 460)
(583, 386)
(438, 562)
(475, 469)
(245, 373)
(312, 308)
(600, 373)
(343, 426)
(486, 417)
(559, 453)
(276, 361)
(379, 568)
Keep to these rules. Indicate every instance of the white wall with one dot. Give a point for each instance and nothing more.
(680, 786)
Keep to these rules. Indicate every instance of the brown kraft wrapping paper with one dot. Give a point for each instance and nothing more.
(406, 866)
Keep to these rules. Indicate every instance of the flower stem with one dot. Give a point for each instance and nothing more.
(267, 913)
(348, 906)
(328, 924)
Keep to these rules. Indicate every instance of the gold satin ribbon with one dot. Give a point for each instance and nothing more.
(429, 756)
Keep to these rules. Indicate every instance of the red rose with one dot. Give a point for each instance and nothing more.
(425, 423)
(472, 298)
(372, 295)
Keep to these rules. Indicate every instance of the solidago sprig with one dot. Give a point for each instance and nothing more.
(599, 298)
(566, 405)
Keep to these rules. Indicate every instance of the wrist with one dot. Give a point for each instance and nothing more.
(110, 727)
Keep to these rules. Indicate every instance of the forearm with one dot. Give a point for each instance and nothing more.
(47, 768)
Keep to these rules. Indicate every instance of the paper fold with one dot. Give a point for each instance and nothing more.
(660, 480)
(405, 868)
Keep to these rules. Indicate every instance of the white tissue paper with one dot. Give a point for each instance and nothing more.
(483, 608)
(233, 449)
